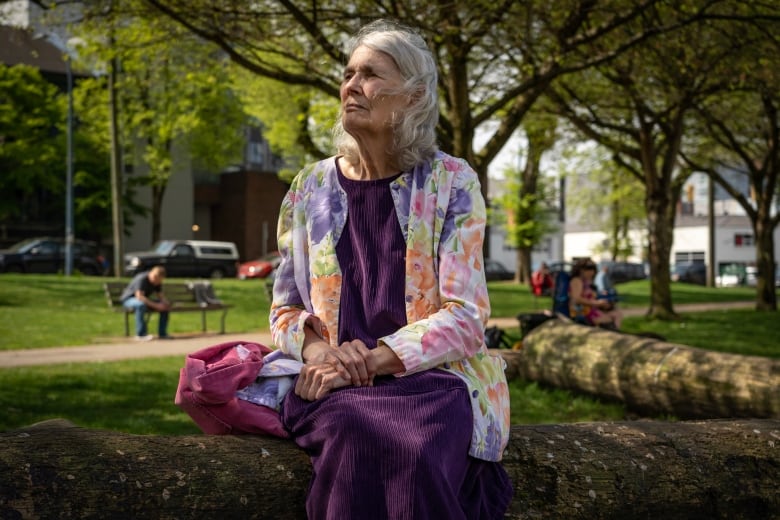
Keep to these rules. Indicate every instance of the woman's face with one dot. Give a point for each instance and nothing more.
(368, 101)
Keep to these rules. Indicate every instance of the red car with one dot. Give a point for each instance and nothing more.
(259, 268)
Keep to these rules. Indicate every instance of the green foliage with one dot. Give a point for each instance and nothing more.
(174, 95)
(32, 147)
(297, 120)
(526, 217)
(91, 153)
(607, 197)
(175, 90)
(33, 119)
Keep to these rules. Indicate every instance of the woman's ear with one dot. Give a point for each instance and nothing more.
(415, 96)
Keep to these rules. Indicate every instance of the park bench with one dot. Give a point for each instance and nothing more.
(193, 296)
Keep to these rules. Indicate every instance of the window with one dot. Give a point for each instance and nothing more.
(689, 256)
(183, 250)
(216, 250)
(743, 240)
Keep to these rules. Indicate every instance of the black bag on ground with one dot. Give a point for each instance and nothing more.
(529, 321)
(496, 338)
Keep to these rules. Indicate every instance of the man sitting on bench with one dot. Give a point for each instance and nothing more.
(145, 292)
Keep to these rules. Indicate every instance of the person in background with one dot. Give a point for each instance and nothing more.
(381, 293)
(542, 281)
(605, 289)
(145, 292)
(583, 300)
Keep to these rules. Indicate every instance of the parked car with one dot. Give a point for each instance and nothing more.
(620, 272)
(47, 255)
(560, 266)
(495, 270)
(187, 258)
(751, 276)
(690, 272)
(259, 268)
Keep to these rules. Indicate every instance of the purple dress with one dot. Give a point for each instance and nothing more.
(399, 449)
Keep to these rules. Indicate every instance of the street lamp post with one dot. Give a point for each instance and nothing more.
(55, 40)
(69, 175)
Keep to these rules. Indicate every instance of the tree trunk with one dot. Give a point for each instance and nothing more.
(523, 268)
(766, 295)
(660, 237)
(650, 376)
(642, 469)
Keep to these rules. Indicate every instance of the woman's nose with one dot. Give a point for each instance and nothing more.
(353, 83)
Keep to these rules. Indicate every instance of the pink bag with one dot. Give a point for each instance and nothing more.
(207, 390)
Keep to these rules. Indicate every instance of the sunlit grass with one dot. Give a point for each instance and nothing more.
(53, 310)
(136, 396)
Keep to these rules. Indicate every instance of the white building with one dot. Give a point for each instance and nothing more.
(733, 235)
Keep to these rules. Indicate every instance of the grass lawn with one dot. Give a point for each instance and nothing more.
(50, 310)
(136, 396)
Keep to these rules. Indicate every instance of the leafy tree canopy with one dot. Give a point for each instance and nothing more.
(32, 115)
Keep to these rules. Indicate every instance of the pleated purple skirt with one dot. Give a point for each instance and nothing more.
(397, 450)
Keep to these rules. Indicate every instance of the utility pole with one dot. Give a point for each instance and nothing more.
(116, 171)
(117, 213)
(711, 226)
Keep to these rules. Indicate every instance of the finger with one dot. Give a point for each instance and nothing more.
(330, 382)
(334, 360)
(309, 380)
(353, 356)
(302, 383)
(353, 363)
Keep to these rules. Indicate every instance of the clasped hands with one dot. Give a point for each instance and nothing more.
(328, 368)
(162, 306)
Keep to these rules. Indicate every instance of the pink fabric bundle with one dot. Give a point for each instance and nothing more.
(207, 390)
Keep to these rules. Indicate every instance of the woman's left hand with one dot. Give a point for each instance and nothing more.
(316, 380)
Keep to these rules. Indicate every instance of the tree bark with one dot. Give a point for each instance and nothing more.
(650, 376)
(642, 469)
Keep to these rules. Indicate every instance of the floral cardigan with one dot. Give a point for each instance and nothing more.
(442, 215)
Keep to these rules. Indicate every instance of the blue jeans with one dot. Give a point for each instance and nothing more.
(140, 309)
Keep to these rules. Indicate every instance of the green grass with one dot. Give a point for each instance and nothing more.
(136, 396)
(39, 311)
(508, 298)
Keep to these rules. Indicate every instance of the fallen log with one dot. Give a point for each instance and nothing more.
(640, 469)
(650, 376)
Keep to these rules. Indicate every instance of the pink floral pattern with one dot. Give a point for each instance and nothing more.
(442, 215)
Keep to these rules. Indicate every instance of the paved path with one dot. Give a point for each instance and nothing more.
(182, 345)
(129, 349)
(639, 311)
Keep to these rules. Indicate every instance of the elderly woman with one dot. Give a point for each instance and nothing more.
(381, 293)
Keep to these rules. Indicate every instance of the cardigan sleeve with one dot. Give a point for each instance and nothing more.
(450, 322)
(288, 314)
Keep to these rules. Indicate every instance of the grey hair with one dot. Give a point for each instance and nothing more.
(415, 128)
